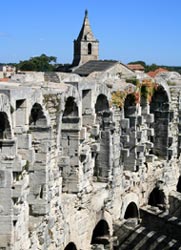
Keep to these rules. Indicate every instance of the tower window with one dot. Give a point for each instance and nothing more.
(89, 48)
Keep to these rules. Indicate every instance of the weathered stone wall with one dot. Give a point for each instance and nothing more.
(73, 166)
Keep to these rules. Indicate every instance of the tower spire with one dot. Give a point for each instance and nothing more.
(86, 45)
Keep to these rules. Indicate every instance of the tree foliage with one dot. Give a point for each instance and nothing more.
(42, 63)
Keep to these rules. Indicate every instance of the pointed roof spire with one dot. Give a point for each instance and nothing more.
(86, 29)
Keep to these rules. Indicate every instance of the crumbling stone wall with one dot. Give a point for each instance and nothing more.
(73, 162)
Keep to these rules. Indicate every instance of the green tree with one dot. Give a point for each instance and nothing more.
(41, 63)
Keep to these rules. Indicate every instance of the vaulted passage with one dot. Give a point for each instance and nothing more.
(102, 104)
(101, 233)
(70, 246)
(5, 132)
(69, 142)
(159, 106)
(37, 116)
(104, 121)
(40, 132)
(179, 185)
(157, 198)
(131, 211)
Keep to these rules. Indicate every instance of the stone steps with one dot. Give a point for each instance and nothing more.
(143, 239)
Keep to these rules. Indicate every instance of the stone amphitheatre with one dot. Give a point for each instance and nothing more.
(90, 158)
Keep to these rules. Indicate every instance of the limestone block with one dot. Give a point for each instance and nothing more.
(88, 120)
(24, 141)
(88, 111)
(6, 202)
(140, 148)
(17, 190)
(150, 158)
(95, 130)
(95, 147)
(124, 138)
(125, 152)
(149, 145)
(5, 225)
(133, 121)
(150, 132)
(140, 119)
(64, 161)
(28, 155)
(2, 178)
(139, 135)
(125, 124)
(83, 133)
(39, 209)
(9, 147)
(150, 118)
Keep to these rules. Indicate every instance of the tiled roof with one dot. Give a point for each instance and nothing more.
(92, 66)
(156, 72)
(135, 66)
(4, 79)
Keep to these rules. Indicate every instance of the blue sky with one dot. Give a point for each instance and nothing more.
(148, 30)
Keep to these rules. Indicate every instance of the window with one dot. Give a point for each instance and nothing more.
(89, 48)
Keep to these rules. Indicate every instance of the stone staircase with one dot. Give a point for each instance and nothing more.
(142, 238)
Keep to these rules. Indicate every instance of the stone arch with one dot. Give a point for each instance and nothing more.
(128, 199)
(41, 144)
(159, 106)
(102, 104)
(128, 131)
(179, 184)
(101, 233)
(69, 142)
(70, 246)
(102, 165)
(5, 129)
(131, 211)
(71, 109)
(157, 198)
(37, 116)
(129, 106)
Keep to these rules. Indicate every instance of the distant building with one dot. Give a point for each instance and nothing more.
(156, 72)
(136, 67)
(86, 46)
(6, 71)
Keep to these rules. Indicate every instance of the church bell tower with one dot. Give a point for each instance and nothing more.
(86, 47)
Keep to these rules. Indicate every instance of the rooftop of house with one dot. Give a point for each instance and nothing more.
(156, 72)
(94, 65)
(135, 67)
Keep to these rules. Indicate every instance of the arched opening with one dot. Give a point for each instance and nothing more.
(179, 185)
(89, 48)
(101, 233)
(71, 109)
(129, 106)
(131, 211)
(104, 122)
(70, 246)
(157, 198)
(40, 133)
(128, 131)
(102, 104)
(37, 117)
(5, 131)
(69, 142)
(159, 106)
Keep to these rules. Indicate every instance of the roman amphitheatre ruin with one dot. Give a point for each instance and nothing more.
(90, 158)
